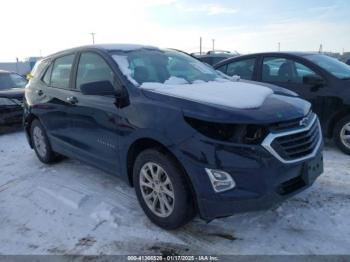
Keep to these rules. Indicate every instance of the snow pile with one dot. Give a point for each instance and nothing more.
(105, 213)
(173, 80)
(231, 94)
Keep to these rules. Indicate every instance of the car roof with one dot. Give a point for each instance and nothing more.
(293, 53)
(296, 53)
(105, 47)
(215, 55)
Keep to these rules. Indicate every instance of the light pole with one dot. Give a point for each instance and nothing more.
(213, 44)
(93, 37)
(17, 65)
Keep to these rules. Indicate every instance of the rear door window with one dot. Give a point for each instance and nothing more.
(61, 70)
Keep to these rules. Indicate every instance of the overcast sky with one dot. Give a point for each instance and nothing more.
(31, 28)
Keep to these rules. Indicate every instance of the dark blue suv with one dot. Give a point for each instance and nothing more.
(187, 138)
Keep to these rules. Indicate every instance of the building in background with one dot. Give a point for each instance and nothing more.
(22, 68)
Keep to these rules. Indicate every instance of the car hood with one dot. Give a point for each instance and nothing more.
(17, 93)
(276, 89)
(245, 103)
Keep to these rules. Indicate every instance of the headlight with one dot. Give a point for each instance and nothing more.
(236, 133)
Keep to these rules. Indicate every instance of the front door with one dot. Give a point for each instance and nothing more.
(289, 73)
(93, 132)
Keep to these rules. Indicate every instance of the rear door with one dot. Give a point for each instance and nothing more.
(50, 95)
(93, 132)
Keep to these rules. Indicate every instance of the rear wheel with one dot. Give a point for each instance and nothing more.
(162, 190)
(342, 134)
(41, 143)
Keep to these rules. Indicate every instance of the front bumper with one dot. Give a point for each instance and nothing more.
(262, 181)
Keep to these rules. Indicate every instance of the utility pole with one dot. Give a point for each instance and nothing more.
(200, 45)
(93, 37)
(279, 47)
(17, 65)
(213, 44)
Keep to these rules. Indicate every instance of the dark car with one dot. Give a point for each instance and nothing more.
(188, 140)
(11, 96)
(213, 57)
(320, 79)
(348, 62)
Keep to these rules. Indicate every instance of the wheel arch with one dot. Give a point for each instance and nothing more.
(142, 144)
(27, 125)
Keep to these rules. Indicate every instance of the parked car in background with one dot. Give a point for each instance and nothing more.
(348, 62)
(214, 57)
(320, 79)
(11, 96)
(189, 140)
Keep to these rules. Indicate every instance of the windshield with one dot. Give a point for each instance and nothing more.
(331, 65)
(163, 66)
(11, 80)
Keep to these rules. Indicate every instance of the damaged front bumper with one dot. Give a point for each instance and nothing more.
(261, 180)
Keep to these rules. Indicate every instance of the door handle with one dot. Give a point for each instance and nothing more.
(72, 100)
(39, 92)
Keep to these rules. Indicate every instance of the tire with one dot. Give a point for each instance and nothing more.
(342, 129)
(180, 208)
(41, 143)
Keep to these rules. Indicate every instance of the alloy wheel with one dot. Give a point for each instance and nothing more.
(345, 135)
(39, 141)
(157, 189)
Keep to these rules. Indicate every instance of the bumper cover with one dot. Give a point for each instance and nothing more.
(262, 181)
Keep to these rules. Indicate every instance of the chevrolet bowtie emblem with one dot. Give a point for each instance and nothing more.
(304, 121)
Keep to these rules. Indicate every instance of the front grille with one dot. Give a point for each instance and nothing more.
(297, 144)
(285, 125)
(295, 123)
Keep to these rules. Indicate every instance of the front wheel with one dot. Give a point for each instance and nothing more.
(342, 135)
(162, 190)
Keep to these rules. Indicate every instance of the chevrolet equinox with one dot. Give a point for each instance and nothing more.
(187, 138)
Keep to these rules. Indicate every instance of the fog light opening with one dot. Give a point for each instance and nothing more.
(220, 180)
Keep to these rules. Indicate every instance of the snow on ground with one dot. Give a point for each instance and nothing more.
(71, 208)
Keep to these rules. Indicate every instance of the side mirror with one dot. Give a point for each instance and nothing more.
(313, 80)
(98, 88)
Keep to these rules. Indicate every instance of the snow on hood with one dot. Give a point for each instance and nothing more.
(231, 94)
